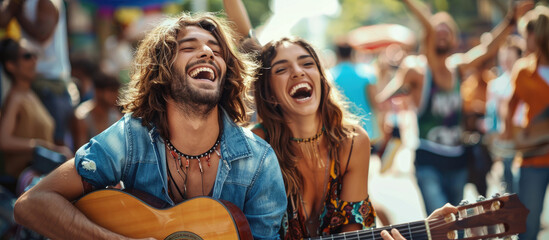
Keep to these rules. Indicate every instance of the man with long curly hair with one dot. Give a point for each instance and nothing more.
(180, 138)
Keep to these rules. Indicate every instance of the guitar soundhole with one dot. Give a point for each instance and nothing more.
(183, 236)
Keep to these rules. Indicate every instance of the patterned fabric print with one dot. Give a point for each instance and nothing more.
(296, 227)
(336, 212)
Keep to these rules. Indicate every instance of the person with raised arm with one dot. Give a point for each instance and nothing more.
(432, 81)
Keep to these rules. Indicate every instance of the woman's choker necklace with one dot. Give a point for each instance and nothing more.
(311, 139)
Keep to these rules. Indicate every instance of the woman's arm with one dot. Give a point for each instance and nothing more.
(355, 170)
(421, 15)
(236, 12)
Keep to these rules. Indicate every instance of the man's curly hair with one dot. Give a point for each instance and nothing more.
(152, 72)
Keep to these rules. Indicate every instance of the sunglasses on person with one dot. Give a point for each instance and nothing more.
(28, 55)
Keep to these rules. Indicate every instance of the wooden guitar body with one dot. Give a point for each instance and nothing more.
(197, 218)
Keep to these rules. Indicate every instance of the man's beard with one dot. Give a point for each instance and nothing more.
(190, 99)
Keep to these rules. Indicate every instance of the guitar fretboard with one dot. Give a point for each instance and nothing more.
(411, 231)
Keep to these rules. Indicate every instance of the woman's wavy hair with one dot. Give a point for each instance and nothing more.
(335, 117)
(153, 71)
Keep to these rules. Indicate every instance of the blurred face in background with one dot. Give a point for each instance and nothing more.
(445, 40)
(24, 67)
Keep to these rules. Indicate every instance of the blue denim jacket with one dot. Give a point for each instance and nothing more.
(248, 174)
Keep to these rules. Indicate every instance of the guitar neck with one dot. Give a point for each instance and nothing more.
(412, 230)
(486, 219)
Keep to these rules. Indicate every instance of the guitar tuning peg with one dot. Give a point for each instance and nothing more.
(480, 198)
(496, 195)
(463, 202)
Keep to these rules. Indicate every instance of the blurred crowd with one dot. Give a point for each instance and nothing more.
(461, 111)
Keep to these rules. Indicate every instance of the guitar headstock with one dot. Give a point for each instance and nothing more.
(497, 217)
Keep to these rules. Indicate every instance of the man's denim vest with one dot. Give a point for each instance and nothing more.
(248, 174)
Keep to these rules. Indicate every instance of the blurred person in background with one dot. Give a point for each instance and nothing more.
(82, 72)
(117, 52)
(432, 81)
(357, 82)
(530, 81)
(43, 24)
(95, 115)
(497, 94)
(25, 123)
(473, 94)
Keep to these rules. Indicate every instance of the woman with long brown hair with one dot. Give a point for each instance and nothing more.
(323, 152)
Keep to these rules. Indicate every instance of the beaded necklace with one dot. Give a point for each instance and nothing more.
(177, 155)
(310, 147)
(311, 139)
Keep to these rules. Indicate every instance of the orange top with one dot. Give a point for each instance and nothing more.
(533, 90)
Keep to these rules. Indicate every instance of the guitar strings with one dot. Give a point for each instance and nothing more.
(375, 233)
(411, 231)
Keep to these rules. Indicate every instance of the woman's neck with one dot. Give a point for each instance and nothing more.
(305, 127)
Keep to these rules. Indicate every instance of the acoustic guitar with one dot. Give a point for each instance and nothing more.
(207, 218)
(196, 218)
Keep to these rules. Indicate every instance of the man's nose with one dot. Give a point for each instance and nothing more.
(206, 52)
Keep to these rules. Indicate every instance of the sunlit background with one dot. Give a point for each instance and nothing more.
(92, 24)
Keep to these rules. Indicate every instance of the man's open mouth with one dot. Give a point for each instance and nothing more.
(205, 73)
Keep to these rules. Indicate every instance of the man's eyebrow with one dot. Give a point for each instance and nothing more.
(285, 61)
(184, 40)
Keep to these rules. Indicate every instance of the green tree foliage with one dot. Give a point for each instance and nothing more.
(356, 13)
